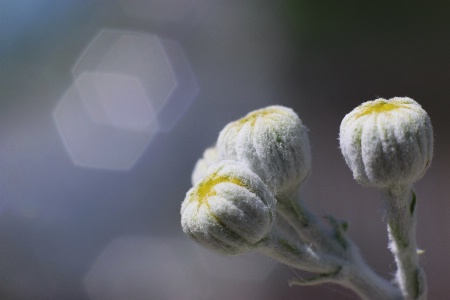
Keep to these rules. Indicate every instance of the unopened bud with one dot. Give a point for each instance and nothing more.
(209, 158)
(387, 142)
(229, 210)
(274, 143)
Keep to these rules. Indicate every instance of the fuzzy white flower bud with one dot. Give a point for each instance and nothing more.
(274, 143)
(210, 157)
(387, 142)
(230, 210)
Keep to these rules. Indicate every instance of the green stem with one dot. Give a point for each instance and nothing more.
(401, 208)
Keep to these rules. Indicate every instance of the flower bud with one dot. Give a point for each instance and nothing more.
(230, 210)
(209, 158)
(387, 142)
(274, 143)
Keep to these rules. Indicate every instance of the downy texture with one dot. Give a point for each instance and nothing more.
(209, 158)
(387, 142)
(229, 210)
(274, 143)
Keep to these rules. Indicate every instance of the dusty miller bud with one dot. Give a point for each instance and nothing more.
(229, 210)
(387, 142)
(209, 158)
(274, 143)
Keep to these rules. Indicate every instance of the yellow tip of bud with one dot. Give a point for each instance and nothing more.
(206, 188)
(380, 106)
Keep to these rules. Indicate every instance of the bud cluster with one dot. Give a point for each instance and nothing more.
(232, 204)
(274, 143)
(230, 210)
(259, 162)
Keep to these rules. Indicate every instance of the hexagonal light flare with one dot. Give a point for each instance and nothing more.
(127, 86)
(96, 145)
(131, 54)
(159, 64)
(116, 100)
(186, 91)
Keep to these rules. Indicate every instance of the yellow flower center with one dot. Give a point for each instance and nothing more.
(268, 113)
(207, 189)
(379, 107)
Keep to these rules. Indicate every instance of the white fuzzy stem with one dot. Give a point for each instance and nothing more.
(359, 278)
(295, 254)
(401, 202)
(368, 285)
(306, 225)
(335, 246)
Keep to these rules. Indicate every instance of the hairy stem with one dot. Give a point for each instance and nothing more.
(307, 226)
(295, 254)
(368, 285)
(353, 272)
(401, 213)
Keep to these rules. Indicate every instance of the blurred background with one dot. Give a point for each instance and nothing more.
(105, 107)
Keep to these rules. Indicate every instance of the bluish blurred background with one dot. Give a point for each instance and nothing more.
(105, 107)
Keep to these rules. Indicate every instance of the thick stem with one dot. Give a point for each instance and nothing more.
(352, 272)
(308, 227)
(401, 213)
(355, 275)
(295, 254)
(368, 285)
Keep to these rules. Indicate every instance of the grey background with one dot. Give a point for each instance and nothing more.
(68, 232)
